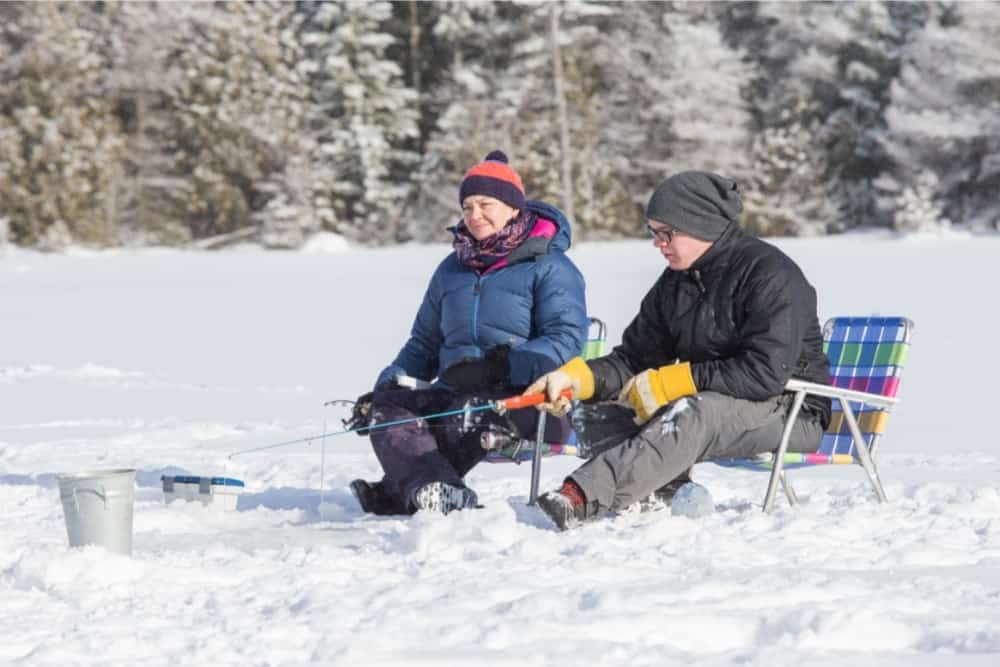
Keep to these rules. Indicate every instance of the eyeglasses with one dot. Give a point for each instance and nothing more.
(662, 235)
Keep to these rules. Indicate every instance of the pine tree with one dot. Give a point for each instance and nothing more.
(827, 69)
(794, 47)
(214, 107)
(60, 139)
(240, 111)
(150, 204)
(365, 123)
(175, 122)
(676, 95)
(462, 134)
(557, 115)
(523, 80)
(868, 61)
(624, 86)
(944, 120)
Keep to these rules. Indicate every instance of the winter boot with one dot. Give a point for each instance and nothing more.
(443, 498)
(374, 499)
(662, 497)
(567, 507)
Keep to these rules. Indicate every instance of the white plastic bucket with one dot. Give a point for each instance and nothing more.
(97, 506)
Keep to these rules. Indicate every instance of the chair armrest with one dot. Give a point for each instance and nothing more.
(838, 392)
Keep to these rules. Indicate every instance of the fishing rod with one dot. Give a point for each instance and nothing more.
(500, 406)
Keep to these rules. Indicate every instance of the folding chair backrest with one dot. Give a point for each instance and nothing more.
(866, 354)
(596, 340)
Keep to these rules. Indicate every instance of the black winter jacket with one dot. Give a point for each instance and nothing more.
(743, 315)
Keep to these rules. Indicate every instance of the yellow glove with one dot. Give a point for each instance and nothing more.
(574, 374)
(651, 389)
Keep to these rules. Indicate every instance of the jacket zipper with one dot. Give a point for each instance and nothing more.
(696, 276)
(477, 288)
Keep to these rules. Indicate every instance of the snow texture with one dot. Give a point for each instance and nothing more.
(171, 361)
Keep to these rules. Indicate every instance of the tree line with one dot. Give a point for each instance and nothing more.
(137, 123)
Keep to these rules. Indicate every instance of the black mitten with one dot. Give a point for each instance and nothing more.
(361, 414)
(486, 375)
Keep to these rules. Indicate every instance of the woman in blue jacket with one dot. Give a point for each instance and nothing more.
(506, 307)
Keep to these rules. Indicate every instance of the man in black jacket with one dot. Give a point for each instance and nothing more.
(704, 364)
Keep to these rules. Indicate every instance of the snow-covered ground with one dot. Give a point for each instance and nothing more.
(168, 362)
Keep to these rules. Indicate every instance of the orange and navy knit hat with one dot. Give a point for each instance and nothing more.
(494, 178)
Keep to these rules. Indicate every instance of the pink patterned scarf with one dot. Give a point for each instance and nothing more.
(480, 255)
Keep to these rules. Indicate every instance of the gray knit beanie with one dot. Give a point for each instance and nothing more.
(698, 203)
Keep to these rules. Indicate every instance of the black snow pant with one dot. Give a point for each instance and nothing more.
(442, 449)
(691, 429)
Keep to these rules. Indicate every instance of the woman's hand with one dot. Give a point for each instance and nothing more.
(361, 414)
(474, 376)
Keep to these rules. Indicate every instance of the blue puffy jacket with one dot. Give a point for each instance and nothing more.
(535, 304)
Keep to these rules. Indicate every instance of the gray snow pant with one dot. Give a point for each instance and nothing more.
(694, 428)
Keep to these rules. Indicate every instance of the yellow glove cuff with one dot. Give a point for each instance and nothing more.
(675, 381)
(583, 378)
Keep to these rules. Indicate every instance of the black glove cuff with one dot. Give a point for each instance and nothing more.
(499, 360)
(489, 374)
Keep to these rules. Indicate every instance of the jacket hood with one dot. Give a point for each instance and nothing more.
(563, 237)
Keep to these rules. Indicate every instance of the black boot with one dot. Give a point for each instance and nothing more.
(374, 499)
(661, 498)
(666, 492)
(567, 507)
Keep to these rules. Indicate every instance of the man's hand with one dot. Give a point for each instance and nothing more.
(651, 389)
(574, 375)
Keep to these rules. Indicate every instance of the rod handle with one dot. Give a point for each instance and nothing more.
(518, 402)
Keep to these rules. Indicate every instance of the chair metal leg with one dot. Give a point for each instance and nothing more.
(536, 460)
(793, 498)
(779, 458)
(863, 454)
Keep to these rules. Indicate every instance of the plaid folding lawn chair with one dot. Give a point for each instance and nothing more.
(866, 355)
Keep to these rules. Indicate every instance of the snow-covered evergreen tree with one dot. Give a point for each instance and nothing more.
(916, 208)
(944, 119)
(647, 88)
(523, 79)
(868, 61)
(820, 105)
(676, 100)
(539, 95)
(240, 108)
(463, 134)
(174, 122)
(214, 108)
(794, 46)
(704, 86)
(60, 139)
(366, 125)
(150, 206)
